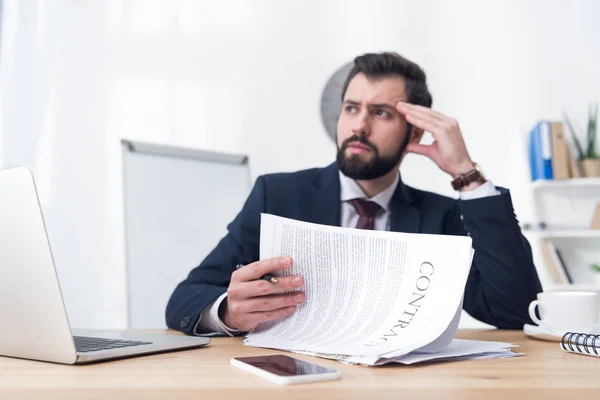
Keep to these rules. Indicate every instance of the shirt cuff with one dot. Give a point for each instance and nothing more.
(486, 190)
(209, 321)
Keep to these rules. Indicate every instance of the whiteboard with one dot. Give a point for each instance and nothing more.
(178, 203)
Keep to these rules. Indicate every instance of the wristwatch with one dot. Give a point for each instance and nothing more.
(473, 175)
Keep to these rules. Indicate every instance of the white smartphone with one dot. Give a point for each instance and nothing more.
(285, 370)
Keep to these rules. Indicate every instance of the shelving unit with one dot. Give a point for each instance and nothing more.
(566, 205)
(563, 235)
(574, 183)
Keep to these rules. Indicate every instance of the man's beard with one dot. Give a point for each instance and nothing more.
(355, 168)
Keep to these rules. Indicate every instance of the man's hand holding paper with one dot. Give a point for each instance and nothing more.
(251, 300)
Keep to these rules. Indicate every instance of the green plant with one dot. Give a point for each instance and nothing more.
(595, 267)
(592, 120)
(590, 152)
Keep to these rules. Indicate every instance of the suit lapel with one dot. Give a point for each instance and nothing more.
(405, 215)
(325, 197)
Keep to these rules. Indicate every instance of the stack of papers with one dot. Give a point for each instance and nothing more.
(458, 350)
(372, 297)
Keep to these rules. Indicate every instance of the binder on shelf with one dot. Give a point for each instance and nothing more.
(560, 152)
(581, 343)
(555, 263)
(562, 264)
(540, 151)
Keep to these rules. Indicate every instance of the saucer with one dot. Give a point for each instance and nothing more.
(543, 333)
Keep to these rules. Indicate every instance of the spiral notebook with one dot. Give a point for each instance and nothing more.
(581, 343)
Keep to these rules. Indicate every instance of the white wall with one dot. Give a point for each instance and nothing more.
(245, 76)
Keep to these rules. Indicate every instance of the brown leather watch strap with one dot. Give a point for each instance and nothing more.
(465, 179)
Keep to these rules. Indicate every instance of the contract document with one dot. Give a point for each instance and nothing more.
(372, 297)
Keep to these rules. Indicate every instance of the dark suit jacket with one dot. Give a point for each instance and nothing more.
(501, 284)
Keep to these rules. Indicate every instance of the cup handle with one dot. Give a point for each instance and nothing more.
(532, 312)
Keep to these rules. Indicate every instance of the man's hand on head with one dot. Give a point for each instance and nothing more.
(448, 151)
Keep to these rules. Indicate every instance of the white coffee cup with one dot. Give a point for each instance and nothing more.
(566, 311)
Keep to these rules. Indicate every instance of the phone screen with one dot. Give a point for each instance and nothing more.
(284, 365)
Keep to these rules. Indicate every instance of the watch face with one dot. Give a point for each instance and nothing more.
(331, 99)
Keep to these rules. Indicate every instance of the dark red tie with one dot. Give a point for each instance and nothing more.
(367, 210)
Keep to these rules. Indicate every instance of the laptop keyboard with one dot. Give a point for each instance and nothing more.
(84, 344)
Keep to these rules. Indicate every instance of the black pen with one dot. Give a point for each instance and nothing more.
(266, 277)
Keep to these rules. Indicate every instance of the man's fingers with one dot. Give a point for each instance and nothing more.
(255, 318)
(246, 290)
(405, 108)
(440, 122)
(423, 149)
(267, 303)
(257, 269)
(427, 116)
(426, 125)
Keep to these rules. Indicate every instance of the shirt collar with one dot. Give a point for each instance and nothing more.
(350, 190)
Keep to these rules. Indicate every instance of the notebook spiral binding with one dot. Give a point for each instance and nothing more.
(581, 343)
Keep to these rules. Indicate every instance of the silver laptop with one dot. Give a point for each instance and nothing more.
(33, 319)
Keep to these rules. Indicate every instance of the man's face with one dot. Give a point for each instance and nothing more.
(370, 131)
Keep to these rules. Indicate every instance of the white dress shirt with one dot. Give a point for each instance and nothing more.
(210, 322)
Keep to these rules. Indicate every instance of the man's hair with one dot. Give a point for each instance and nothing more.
(382, 65)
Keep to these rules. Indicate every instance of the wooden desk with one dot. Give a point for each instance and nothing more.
(544, 372)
